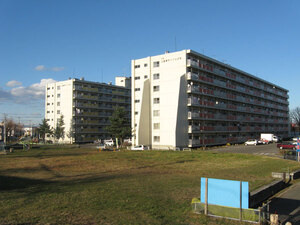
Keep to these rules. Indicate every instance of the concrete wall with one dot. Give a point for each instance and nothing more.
(172, 97)
(265, 192)
(59, 98)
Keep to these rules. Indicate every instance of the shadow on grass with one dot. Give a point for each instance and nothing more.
(12, 183)
(8, 183)
(43, 154)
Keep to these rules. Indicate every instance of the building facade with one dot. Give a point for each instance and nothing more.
(186, 99)
(86, 107)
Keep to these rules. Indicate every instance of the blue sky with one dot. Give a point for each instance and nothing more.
(46, 41)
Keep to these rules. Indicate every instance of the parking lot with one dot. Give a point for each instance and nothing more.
(268, 149)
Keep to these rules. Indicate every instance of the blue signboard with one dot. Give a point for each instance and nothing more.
(225, 192)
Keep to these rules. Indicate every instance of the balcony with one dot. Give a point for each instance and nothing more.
(192, 76)
(192, 63)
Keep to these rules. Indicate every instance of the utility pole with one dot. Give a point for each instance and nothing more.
(4, 128)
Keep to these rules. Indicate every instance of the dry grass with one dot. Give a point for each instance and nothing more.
(82, 186)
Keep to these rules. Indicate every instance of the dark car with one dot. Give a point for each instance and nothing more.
(286, 145)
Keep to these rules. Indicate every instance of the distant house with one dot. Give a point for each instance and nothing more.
(30, 131)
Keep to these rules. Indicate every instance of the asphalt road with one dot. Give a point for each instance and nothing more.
(287, 205)
(269, 149)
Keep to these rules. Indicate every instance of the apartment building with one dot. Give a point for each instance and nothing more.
(86, 107)
(186, 99)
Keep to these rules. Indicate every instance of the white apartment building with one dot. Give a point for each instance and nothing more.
(86, 107)
(186, 99)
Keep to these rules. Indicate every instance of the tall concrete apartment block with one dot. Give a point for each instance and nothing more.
(86, 107)
(185, 99)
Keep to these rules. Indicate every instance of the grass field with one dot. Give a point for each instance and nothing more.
(83, 186)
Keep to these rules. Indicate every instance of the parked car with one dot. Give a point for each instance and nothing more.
(286, 145)
(251, 142)
(263, 141)
(295, 138)
(139, 147)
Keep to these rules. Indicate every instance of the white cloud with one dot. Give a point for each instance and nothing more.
(40, 68)
(43, 68)
(13, 83)
(34, 92)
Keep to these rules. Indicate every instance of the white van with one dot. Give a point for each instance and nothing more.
(109, 142)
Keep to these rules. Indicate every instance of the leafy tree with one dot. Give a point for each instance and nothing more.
(59, 131)
(71, 132)
(44, 129)
(119, 126)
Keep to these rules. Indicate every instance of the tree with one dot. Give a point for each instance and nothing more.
(59, 131)
(119, 126)
(295, 116)
(295, 119)
(71, 132)
(12, 129)
(44, 129)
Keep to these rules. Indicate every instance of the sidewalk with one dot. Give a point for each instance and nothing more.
(287, 205)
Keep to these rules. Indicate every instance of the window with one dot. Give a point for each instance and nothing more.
(156, 126)
(58, 87)
(146, 76)
(137, 78)
(156, 64)
(48, 103)
(48, 88)
(137, 89)
(137, 66)
(156, 76)
(156, 100)
(58, 111)
(58, 103)
(48, 96)
(156, 138)
(137, 101)
(155, 112)
(156, 88)
(136, 113)
(48, 111)
(145, 65)
(58, 95)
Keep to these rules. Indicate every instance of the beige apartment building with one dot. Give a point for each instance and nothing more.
(186, 99)
(86, 107)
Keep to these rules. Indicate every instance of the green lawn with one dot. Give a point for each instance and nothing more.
(83, 186)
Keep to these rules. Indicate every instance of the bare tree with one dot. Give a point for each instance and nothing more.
(295, 116)
(295, 119)
(12, 129)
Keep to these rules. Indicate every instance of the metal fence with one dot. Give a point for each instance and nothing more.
(2, 146)
(258, 216)
(290, 154)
